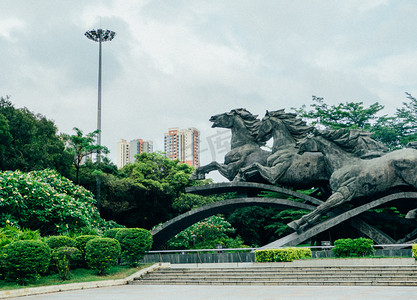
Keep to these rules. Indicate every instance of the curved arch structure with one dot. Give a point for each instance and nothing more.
(249, 189)
(169, 229)
(295, 238)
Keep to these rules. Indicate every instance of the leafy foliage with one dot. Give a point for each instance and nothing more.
(135, 243)
(206, 234)
(353, 248)
(9, 234)
(24, 261)
(144, 193)
(30, 141)
(282, 255)
(111, 233)
(46, 201)
(63, 258)
(59, 241)
(80, 243)
(102, 253)
(414, 250)
(81, 146)
(352, 115)
(393, 131)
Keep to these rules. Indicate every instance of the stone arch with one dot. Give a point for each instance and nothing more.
(169, 229)
(295, 238)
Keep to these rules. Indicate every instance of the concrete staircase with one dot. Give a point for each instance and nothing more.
(284, 274)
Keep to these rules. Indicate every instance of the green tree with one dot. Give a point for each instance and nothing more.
(30, 141)
(143, 193)
(5, 138)
(81, 146)
(393, 131)
(343, 115)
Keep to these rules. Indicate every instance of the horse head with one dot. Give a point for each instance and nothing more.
(224, 120)
(243, 124)
(285, 128)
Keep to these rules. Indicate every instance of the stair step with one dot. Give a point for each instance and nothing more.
(281, 282)
(322, 275)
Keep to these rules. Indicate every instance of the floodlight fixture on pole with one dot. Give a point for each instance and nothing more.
(99, 36)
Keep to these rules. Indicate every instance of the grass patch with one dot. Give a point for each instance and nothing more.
(78, 275)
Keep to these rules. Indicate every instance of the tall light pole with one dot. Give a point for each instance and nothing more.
(99, 36)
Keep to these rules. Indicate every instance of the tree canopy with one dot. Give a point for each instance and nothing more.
(30, 141)
(394, 131)
(143, 193)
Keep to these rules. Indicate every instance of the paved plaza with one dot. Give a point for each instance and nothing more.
(195, 292)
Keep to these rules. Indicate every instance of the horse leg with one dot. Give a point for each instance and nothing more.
(342, 194)
(200, 172)
(242, 174)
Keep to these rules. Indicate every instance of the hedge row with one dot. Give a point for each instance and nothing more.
(26, 260)
(282, 255)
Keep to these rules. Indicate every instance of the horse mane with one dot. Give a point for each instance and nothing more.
(297, 127)
(249, 120)
(356, 141)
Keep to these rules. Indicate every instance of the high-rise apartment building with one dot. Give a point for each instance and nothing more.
(139, 146)
(184, 145)
(122, 153)
(126, 151)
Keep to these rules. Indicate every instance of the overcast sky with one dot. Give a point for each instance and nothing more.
(176, 63)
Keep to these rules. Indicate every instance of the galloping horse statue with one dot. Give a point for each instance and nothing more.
(245, 149)
(285, 166)
(354, 177)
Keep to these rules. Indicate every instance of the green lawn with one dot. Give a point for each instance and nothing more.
(79, 275)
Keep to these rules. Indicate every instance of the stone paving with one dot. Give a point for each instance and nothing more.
(158, 292)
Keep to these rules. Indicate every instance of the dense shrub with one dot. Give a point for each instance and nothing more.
(24, 261)
(282, 255)
(10, 233)
(414, 249)
(64, 258)
(206, 234)
(353, 248)
(135, 243)
(111, 233)
(46, 201)
(80, 243)
(102, 253)
(58, 241)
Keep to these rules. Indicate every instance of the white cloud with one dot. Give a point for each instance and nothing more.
(176, 63)
(396, 70)
(8, 26)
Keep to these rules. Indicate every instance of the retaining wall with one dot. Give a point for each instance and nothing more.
(238, 257)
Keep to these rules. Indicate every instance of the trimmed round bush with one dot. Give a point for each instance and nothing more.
(282, 254)
(64, 258)
(414, 251)
(111, 233)
(80, 243)
(102, 253)
(353, 248)
(135, 243)
(24, 261)
(58, 241)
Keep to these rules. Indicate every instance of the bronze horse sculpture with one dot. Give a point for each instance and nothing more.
(286, 166)
(348, 162)
(245, 149)
(354, 177)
